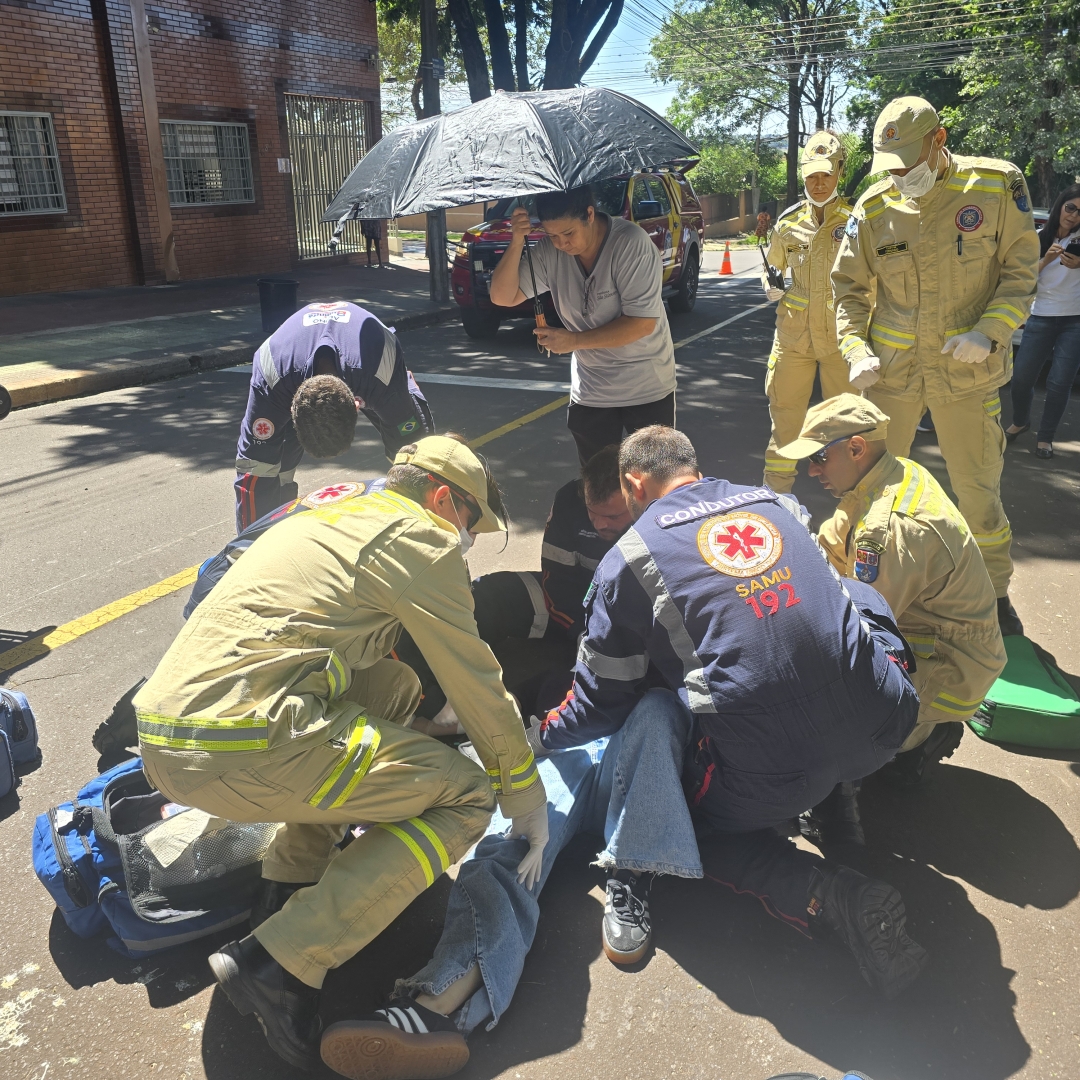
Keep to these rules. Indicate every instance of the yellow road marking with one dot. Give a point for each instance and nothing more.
(46, 643)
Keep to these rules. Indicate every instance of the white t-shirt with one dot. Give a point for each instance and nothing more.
(626, 279)
(1059, 287)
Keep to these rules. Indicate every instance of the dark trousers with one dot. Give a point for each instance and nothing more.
(1046, 335)
(594, 428)
(765, 865)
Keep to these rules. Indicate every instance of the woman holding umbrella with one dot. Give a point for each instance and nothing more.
(605, 278)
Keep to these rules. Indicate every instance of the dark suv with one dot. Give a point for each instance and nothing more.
(662, 202)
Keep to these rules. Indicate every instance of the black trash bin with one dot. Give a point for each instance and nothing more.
(277, 299)
(5, 402)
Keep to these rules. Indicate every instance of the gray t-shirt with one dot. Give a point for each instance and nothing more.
(625, 280)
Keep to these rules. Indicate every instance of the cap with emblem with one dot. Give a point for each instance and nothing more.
(455, 463)
(838, 418)
(823, 153)
(900, 130)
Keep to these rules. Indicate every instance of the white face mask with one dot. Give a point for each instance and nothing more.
(819, 202)
(917, 182)
(466, 537)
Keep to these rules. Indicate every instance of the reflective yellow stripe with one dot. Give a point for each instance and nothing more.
(993, 406)
(424, 843)
(958, 330)
(202, 732)
(799, 303)
(780, 465)
(912, 489)
(886, 335)
(983, 184)
(521, 776)
(355, 761)
(849, 342)
(921, 645)
(336, 676)
(996, 539)
(1006, 313)
(954, 706)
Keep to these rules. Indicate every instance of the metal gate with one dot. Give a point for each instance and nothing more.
(327, 137)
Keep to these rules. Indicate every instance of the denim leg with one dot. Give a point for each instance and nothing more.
(1059, 382)
(648, 826)
(765, 865)
(491, 918)
(1036, 343)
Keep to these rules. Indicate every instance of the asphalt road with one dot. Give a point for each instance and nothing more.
(104, 496)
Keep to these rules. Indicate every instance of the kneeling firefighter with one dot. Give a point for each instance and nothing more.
(277, 702)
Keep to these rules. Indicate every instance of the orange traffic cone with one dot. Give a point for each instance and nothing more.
(725, 266)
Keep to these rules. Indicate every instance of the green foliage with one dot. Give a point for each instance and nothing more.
(726, 167)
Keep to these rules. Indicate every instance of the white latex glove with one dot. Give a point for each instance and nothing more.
(532, 735)
(969, 348)
(773, 293)
(865, 372)
(534, 827)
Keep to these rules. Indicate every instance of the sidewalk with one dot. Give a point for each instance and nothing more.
(61, 345)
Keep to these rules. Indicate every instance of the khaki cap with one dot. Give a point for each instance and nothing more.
(900, 130)
(823, 153)
(838, 418)
(455, 463)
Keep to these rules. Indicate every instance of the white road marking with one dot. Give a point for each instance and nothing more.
(721, 325)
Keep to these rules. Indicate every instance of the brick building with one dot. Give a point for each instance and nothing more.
(141, 143)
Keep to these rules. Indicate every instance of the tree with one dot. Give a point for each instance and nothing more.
(737, 61)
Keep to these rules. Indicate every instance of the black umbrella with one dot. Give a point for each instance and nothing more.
(507, 145)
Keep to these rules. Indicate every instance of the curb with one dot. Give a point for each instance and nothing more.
(115, 375)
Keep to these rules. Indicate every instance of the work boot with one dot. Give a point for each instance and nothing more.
(401, 1042)
(915, 767)
(627, 930)
(272, 897)
(1008, 620)
(835, 820)
(286, 1008)
(869, 917)
(114, 735)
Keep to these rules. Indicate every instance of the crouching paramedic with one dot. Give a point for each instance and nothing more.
(277, 703)
(309, 380)
(896, 529)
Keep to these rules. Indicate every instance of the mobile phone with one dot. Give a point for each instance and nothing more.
(1073, 248)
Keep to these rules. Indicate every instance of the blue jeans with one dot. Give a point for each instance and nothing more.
(1043, 334)
(626, 787)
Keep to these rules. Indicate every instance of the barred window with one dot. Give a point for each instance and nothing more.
(30, 178)
(207, 163)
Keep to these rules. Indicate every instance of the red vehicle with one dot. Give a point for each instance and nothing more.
(662, 202)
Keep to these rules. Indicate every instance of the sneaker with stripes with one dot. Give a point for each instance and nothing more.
(403, 1041)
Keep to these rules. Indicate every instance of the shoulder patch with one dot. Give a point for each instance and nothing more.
(867, 560)
(1016, 190)
(333, 493)
(852, 227)
(740, 544)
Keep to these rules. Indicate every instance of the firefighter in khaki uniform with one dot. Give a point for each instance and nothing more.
(805, 241)
(276, 703)
(936, 271)
(896, 529)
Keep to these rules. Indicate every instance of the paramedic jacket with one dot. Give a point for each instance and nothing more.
(795, 685)
(372, 364)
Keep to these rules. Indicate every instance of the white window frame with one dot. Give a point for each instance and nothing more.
(10, 170)
(178, 184)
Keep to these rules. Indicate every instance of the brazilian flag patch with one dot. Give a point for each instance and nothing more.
(407, 427)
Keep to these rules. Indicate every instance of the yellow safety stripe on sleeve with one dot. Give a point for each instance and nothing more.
(983, 183)
(336, 676)
(798, 303)
(879, 204)
(1012, 317)
(953, 705)
(993, 406)
(995, 539)
(780, 465)
(958, 330)
(886, 335)
(521, 777)
(911, 490)
(425, 846)
(202, 732)
(850, 342)
(364, 739)
(922, 646)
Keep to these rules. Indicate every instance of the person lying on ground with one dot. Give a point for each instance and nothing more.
(896, 529)
(784, 682)
(277, 702)
(309, 380)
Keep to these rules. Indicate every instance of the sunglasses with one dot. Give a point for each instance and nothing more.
(818, 457)
(475, 513)
(1071, 208)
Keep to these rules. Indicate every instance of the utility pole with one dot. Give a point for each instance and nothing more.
(431, 71)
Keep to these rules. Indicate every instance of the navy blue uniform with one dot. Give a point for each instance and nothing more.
(372, 364)
(796, 680)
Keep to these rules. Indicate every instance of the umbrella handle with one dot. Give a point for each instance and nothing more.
(538, 306)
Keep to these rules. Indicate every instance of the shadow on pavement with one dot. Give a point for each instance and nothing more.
(169, 977)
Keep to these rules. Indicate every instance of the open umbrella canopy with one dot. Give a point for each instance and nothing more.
(507, 145)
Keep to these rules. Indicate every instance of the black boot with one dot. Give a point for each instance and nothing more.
(286, 1008)
(915, 767)
(272, 897)
(869, 917)
(835, 820)
(1008, 620)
